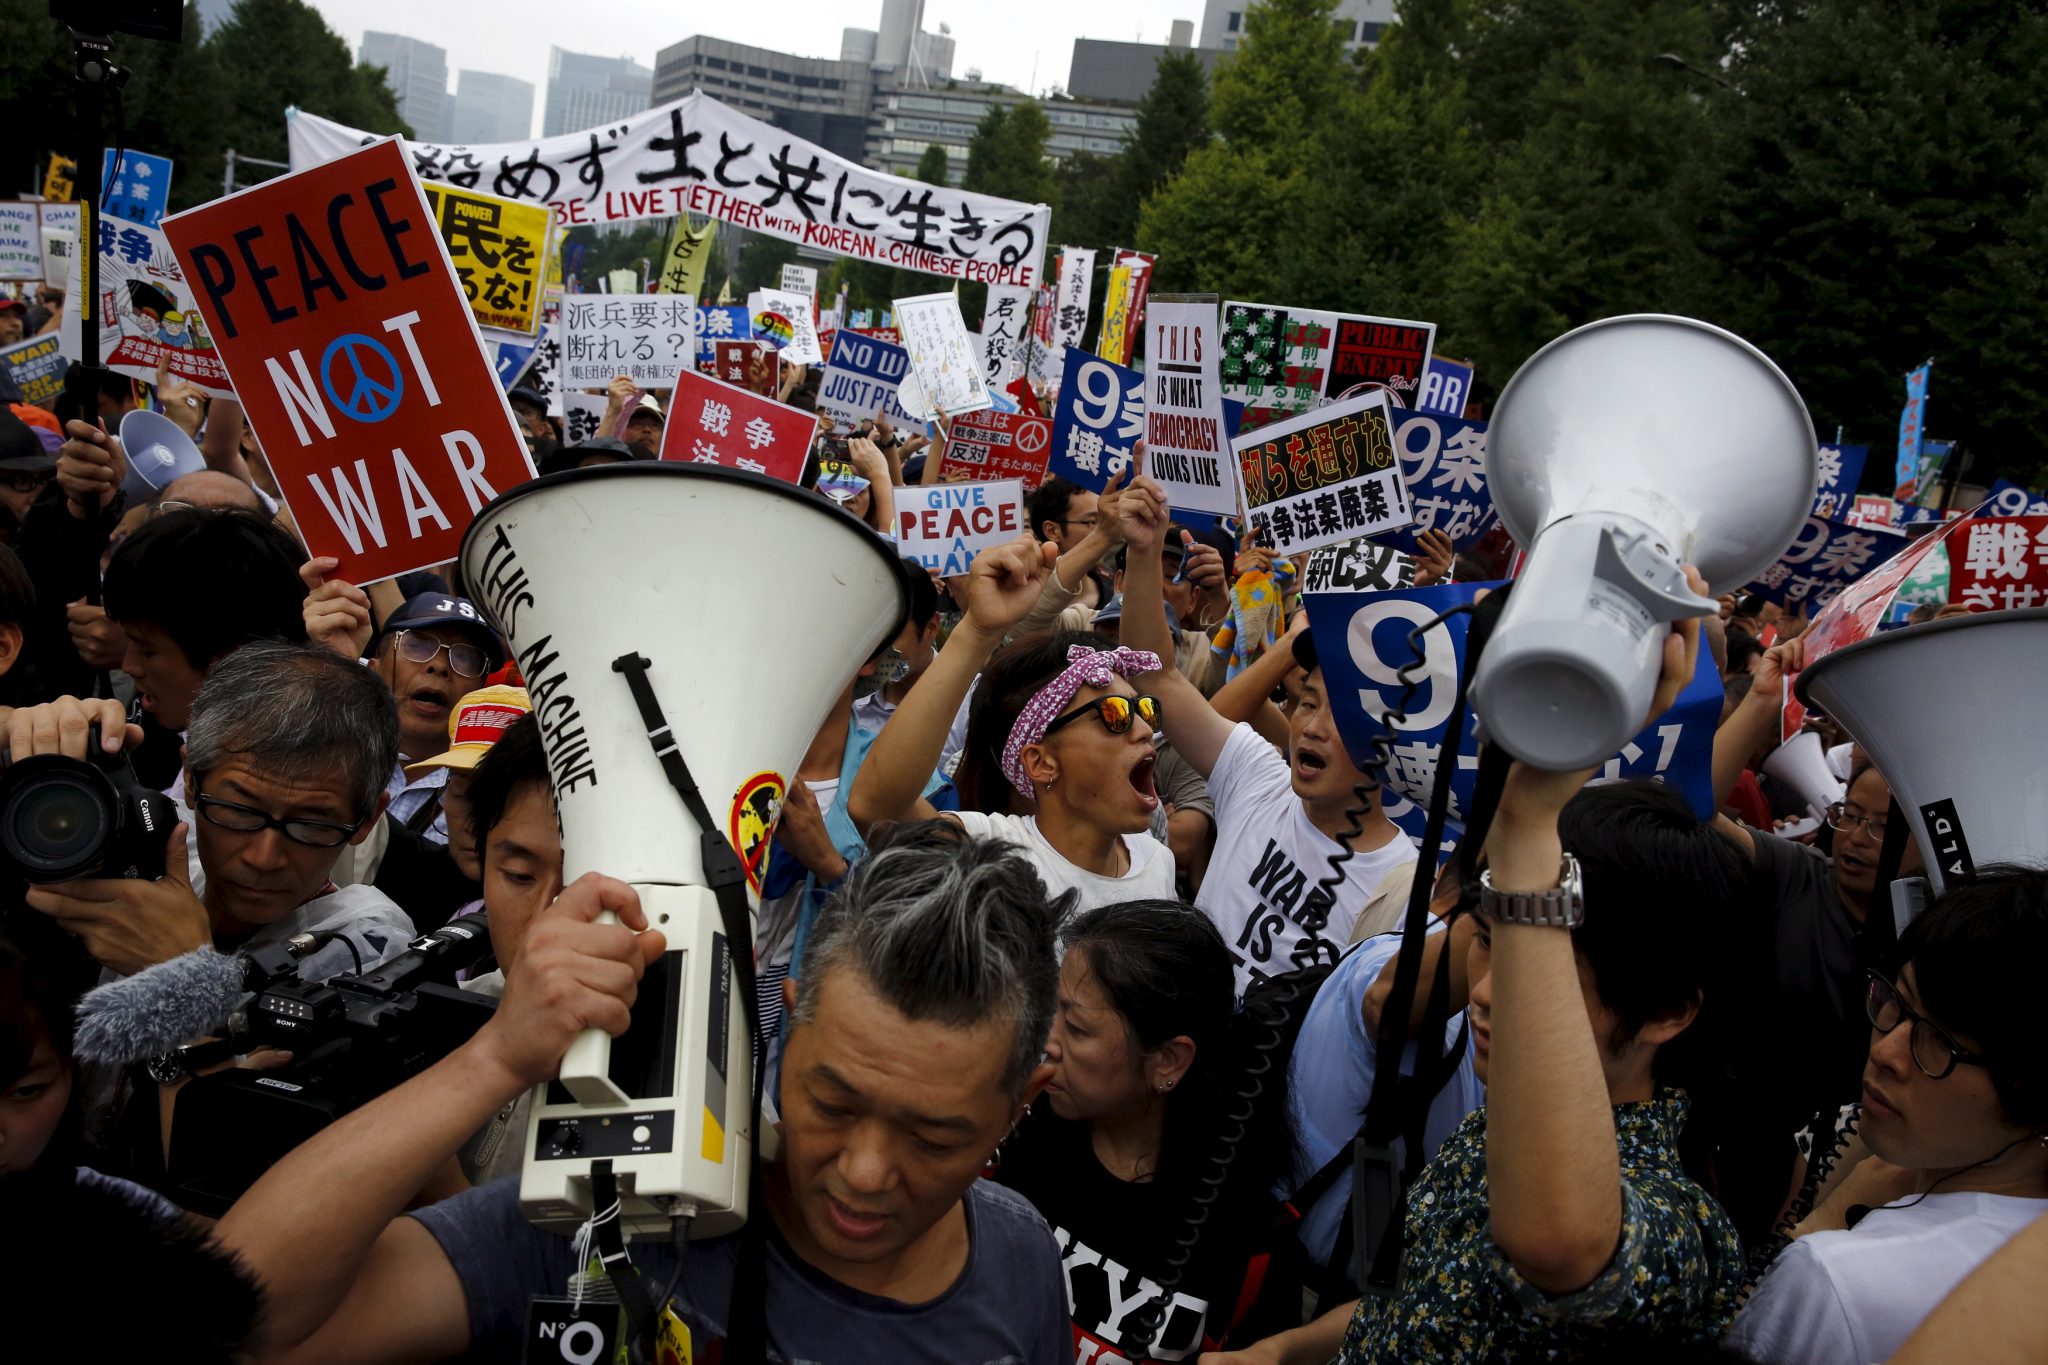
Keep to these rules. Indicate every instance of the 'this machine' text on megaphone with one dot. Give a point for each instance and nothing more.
(683, 631)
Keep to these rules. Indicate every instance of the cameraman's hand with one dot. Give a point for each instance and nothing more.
(572, 974)
(62, 727)
(801, 832)
(128, 925)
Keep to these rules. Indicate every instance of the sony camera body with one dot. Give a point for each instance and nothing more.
(63, 819)
(351, 1038)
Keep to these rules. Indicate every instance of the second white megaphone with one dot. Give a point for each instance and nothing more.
(1618, 453)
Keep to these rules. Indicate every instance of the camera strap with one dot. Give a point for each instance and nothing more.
(747, 1323)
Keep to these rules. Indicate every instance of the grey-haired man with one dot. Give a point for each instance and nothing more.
(928, 991)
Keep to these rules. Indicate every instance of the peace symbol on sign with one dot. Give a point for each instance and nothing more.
(370, 383)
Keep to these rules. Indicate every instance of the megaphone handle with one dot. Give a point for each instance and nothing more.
(586, 1066)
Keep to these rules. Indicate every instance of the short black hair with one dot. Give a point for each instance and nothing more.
(17, 590)
(515, 759)
(1048, 502)
(924, 594)
(212, 579)
(1742, 649)
(1976, 955)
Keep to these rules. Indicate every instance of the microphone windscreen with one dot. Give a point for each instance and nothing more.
(159, 1008)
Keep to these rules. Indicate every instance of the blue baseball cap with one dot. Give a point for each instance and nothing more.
(440, 610)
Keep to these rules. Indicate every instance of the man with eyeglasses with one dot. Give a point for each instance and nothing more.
(1064, 514)
(286, 758)
(1814, 909)
(432, 651)
(1955, 1110)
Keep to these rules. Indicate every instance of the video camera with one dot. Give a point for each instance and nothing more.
(62, 819)
(351, 1038)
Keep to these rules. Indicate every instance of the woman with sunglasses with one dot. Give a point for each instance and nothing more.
(1059, 755)
(1955, 1116)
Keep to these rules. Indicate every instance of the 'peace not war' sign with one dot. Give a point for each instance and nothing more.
(326, 292)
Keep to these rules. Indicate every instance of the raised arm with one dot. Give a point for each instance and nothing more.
(867, 459)
(1002, 585)
(1552, 1167)
(345, 1278)
(1100, 542)
(1755, 717)
(1248, 697)
(1192, 726)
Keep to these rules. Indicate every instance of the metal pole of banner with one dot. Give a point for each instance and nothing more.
(227, 184)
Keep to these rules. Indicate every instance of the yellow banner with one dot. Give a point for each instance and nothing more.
(682, 265)
(500, 251)
(59, 183)
(1113, 344)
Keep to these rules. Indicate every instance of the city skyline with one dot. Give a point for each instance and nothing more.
(1006, 47)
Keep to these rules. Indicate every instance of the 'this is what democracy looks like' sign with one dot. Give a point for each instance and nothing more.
(1186, 442)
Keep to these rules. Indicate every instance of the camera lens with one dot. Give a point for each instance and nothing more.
(55, 824)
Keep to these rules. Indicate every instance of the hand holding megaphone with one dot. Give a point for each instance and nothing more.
(90, 467)
(578, 970)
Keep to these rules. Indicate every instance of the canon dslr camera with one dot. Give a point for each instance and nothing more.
(62, 819)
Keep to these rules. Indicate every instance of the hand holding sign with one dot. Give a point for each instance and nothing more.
(1004, 584)
(337, 612)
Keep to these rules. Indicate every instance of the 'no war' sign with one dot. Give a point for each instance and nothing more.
(327, 292)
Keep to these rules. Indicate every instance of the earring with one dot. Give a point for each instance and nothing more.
(1165, 1086)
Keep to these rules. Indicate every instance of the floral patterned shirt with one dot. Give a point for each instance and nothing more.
(1675, 1276)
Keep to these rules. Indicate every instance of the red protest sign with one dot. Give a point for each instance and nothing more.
(997, 445)
(713, 422)
(747, 364)
(888, 334)
(325, 292)
(825, 340)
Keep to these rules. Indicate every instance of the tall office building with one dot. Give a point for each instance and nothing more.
(900, 46)
(585, 91)
(417, 73)
(488, 107)
(821, 101)
(1360, 21)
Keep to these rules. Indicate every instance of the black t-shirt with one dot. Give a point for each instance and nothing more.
(1116, 1238)
(1818, 953)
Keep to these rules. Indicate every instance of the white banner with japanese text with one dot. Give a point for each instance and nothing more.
(700, 156)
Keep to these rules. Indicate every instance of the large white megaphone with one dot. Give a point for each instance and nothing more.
(1802, 764)
(1946, 712)
(158, 452)
(676, 624)
(1617, 453)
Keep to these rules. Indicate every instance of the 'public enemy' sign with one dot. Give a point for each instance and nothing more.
(945, 526)
(325, 292)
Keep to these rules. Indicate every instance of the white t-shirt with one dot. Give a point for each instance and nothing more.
(1149, 877)
(1261, 887)
(1854, 1297)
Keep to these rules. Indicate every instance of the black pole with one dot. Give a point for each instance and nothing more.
(94, 66)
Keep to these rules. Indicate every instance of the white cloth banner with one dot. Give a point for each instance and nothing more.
(1070, 301)
(1003, 333)
(700, 156)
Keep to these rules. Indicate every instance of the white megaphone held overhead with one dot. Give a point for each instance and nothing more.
(1801, 763)
(1945, 711)
(1618, 453)
(683, 631)
(159, 452)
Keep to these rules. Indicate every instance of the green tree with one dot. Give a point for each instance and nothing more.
(1007, 156)
(1220, 223)
(761, 262)
(1878, 199)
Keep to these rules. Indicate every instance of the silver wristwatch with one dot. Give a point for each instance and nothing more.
(1561, 907)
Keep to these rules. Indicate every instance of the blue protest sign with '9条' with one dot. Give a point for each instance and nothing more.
(1443, 467)
(1362, 645)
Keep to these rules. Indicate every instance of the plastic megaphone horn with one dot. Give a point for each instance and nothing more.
(1945, 711)
(683, 631)
(1618, 453)
(158, 451)
(1802, 764)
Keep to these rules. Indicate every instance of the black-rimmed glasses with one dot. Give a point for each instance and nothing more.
(1934, 1052)
(242, 819)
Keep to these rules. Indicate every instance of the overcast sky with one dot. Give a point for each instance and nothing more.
(1008, 42)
